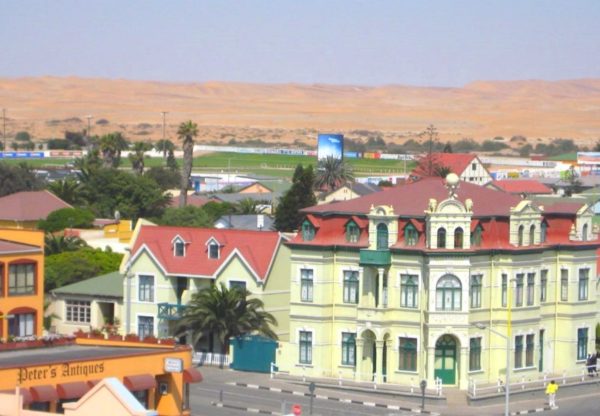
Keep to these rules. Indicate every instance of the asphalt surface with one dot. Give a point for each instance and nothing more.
(219, 386)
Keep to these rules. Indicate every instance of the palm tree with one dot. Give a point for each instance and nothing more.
(111, 146)
(137, 156)
(57, 244)
(186, 132)
(248, 206)
(68, 189)
(332, 173)
(164, 146)
(225, 313)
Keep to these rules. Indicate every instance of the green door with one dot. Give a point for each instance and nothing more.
(445, 360)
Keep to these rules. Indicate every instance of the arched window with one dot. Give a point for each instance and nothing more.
(382, 237)
(532, 234)
(543, 232)
(477, 236)
(179, 248)
(411, 236)
(308, 231)
(458, 238)
(448, 294)
(352, 232)
(584, 233)
(441, 237)
(521, 230)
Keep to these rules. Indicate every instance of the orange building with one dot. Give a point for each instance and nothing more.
(157, 375)
(21, 283)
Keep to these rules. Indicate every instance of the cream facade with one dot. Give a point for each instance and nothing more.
(406, 301)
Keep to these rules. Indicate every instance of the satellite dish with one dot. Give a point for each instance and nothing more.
(117, 215)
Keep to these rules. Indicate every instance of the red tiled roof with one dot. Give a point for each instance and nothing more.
(411, 200)
(257, 249)
(527, 186)
(30, 205)
(562, 208)
(456, 162)
(195, 200)
(8, 247)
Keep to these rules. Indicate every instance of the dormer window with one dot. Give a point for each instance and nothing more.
(411, 236)
(178, 247)
(477, 236)
(352, 232)
(308, 231)
(213, 250)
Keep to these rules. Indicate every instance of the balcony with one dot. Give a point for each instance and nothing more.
(170, 311)
(377, 258)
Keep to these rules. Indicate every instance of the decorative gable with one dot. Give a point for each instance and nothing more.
(213, 248)
(583, 227)
(383, 227)
(179, 246)
(526, 224)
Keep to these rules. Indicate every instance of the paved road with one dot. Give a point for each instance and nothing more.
(202, 395)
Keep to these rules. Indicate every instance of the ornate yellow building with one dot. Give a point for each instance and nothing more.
(394, 285)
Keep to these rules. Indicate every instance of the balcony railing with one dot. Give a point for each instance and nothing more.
(379, 258)
(170, 311)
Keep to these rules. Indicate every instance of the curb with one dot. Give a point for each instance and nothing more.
(335, 399)
(538, 410)
(245, 409)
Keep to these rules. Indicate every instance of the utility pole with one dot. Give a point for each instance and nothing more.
(164, 114)
(89, 119)
(4, 128)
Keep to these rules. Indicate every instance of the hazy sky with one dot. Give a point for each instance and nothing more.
(433, 43)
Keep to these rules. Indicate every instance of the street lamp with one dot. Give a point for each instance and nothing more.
(507, 383)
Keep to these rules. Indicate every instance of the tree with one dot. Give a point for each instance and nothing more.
(111, 145)
(225, 313)
(67, 218)
(333, 173)
(172, 163)
(186, 132)
(67, 189)
(300, 195)
(188, 216)
(249, 206)
(18, 178)
(165, 146)
(108, 190)
(23, 136)
(447, 148)
(574, 184)
(165, 178)
(55, 244)
(430, 165)
(74, 266)
(138, 155)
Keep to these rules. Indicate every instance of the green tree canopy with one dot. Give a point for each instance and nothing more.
(17, 178)
(54, 244)
(165, 178)
(332, 173)
(188, 216)
(300, 195)
(137, 156)
(186, 133)
(74, 266)
(108, 190)
(67, 218)
(67, 189)
(23, 136)
(225, 313)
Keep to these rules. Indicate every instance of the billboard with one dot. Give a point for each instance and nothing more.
(330, 145)
(588, 158)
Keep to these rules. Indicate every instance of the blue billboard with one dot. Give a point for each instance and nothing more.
(330, 145)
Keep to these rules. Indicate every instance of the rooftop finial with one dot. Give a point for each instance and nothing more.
(452, 181)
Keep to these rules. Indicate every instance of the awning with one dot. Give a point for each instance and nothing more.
(140, 382)
(73, 390)
(92, 383)
(44, 393)
(191, 375)
(23, 391)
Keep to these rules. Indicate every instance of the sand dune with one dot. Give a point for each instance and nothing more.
(48, 106)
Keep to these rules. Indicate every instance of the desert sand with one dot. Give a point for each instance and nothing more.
(538, 110)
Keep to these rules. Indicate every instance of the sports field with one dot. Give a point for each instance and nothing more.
(266, 165)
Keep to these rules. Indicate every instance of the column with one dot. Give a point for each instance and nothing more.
(379, 361)
(361, 287)
(463, 367)
(430, 365)
(380, 272)
(359, 357)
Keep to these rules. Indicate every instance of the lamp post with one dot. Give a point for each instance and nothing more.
(507, 383)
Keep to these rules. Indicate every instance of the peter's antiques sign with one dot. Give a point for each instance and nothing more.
(64, 370)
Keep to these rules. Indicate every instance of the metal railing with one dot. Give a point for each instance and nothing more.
(375, 381)
(210, 358)
(526, 383)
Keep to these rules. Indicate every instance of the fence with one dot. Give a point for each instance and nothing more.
(210, 358)
(524, 384)
(378, 381)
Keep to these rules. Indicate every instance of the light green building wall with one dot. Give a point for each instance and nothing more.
(379, 328)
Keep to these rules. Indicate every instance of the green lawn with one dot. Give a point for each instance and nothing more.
(264, 165)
